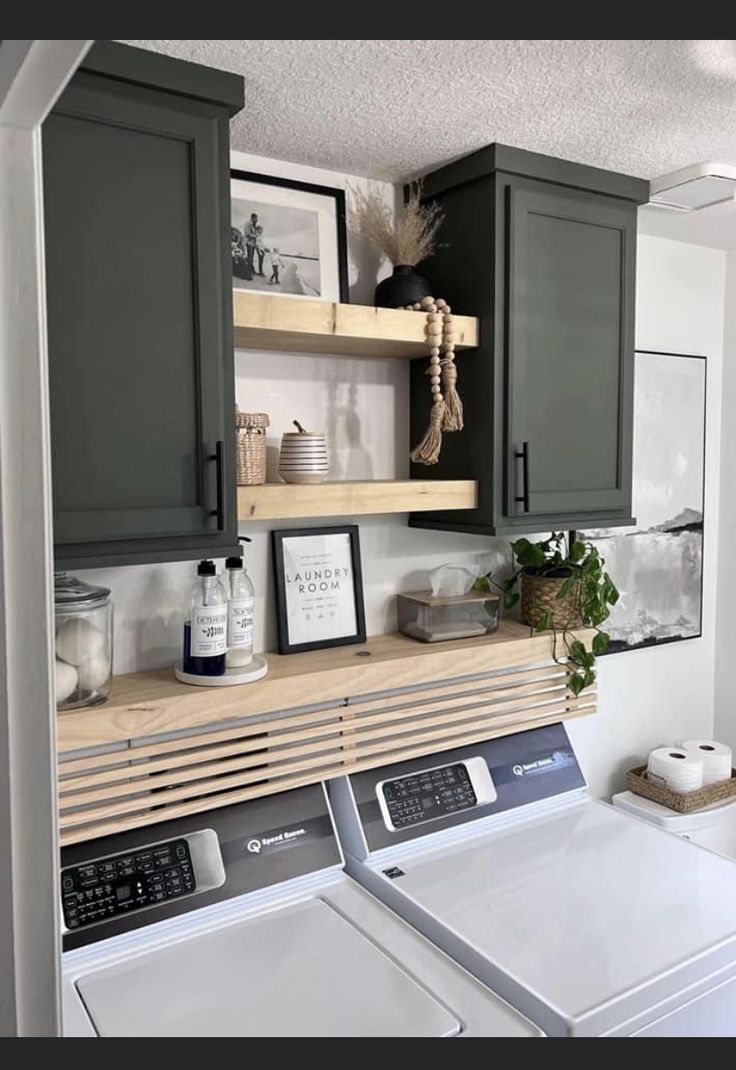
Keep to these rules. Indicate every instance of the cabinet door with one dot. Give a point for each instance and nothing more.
(139, 319)
(569, 351)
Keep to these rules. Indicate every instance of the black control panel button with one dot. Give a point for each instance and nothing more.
(109, 887)
(425, 796)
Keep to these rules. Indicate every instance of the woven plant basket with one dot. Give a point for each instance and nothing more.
(539, 596)
(250, 448)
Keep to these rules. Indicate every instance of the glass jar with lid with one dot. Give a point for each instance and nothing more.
(84, 615)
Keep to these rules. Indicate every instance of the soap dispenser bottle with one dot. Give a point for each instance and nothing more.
(241, 598)
(205, 633)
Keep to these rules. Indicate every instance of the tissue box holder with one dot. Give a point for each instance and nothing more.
(435, 619)
(638, 781)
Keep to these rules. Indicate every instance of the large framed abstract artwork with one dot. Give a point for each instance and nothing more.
(658, 564)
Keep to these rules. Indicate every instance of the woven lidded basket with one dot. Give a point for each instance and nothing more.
(250, 448)
(539, 596)
(642, 783)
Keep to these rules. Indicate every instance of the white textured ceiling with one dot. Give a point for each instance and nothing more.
(390, 109)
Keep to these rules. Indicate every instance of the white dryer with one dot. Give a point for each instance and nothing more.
(714, 827)
(241, 922)
(590, 922)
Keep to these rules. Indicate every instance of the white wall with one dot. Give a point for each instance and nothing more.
(725, 691)
(655, 695)
(647, 697)
(363, 405)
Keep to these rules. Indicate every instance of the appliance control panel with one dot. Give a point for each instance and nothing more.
(429, 794)
(104, 888)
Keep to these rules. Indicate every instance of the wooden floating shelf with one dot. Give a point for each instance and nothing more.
(303, 325)
(285, 501)
(317, 716)
(143, 704)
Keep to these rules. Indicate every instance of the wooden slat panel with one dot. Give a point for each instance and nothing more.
(320, 723)
(151, 703)
(460, 693)
(99, 826)
(148, 776)
(498, 685)
(417, 736)
(421, 694)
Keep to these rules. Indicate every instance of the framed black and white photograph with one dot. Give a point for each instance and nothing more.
(288, 237)
(319, 588)
(658, 565)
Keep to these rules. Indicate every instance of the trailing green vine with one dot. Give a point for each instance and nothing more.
(580, 566)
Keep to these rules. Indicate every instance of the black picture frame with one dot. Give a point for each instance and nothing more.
(277, 544)
(338, 195)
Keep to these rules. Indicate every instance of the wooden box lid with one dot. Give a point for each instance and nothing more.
(428, 599)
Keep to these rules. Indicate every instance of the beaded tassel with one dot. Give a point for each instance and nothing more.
(428, 450)
(447, 409)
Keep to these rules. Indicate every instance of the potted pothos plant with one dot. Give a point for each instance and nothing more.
(564, 587)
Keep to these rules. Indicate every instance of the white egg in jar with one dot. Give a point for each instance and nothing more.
(93, 672)
(66, 681)
(84, 627)
(78, 641)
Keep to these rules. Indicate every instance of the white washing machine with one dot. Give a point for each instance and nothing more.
(241, 922)
(590, 922)
(714, 828)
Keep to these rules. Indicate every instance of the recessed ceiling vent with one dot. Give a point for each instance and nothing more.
(693, 188)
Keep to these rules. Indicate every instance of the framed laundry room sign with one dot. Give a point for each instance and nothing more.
(319, 588)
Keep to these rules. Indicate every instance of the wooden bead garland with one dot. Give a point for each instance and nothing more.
(447, 408)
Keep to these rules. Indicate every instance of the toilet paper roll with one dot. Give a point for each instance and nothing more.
(679, 769)
(716, 758)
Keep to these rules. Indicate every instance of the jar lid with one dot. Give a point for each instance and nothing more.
(251, 419)
(302, 436)
(73, 593)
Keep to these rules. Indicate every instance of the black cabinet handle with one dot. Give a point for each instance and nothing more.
(523, 453)
(219, 458)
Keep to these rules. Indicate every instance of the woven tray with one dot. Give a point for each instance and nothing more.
(639, 781)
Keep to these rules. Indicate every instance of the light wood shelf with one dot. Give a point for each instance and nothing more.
(143, 704)
(292, 325)
(315, 717)
(285, 501)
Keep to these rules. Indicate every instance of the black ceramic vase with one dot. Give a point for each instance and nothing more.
(404, 287)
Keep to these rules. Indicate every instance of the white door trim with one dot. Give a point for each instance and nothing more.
(32, 74)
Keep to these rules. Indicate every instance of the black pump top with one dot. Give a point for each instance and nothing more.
(206, 568)
(237, 562)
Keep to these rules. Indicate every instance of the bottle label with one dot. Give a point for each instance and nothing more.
(209, 631)
(240, 623)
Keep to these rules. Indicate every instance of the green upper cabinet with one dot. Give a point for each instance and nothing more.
(543, 251)
(137, 234)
